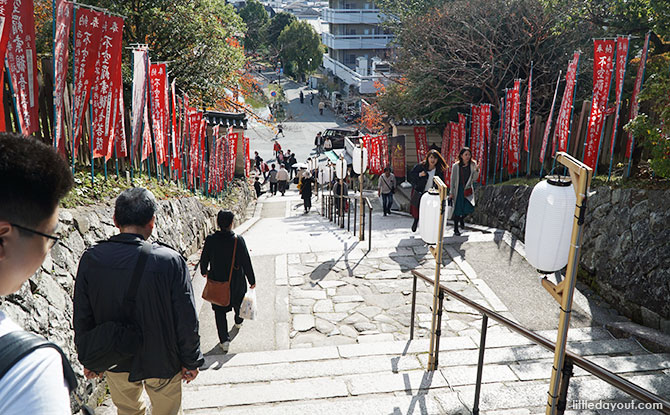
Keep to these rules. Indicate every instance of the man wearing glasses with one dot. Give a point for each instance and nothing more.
(33, 179)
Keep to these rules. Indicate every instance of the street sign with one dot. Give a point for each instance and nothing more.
(273, 93)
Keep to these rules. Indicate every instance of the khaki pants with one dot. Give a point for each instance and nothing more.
(165, 394)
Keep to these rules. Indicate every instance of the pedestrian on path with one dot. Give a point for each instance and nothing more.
(302, 97)
(311, 99)
(322, 106)
(272, 177)
(282, 179)
(277, 149)
(318, 142)
(164, 316)
(421, 178)
(291, 162)
(225, 258)
(257, 187)
(463, 175)
(306, 191)
(280, 130)
(386, 190)
(327, 144)
(33, 179)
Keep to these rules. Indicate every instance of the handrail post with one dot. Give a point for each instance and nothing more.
(355, 213)
(349, 218)
(411, 324)
(370, 229)
(563, 390)
(438, 332)
(480, 364)
(362, 229)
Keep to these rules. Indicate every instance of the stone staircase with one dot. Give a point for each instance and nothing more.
(391, 377)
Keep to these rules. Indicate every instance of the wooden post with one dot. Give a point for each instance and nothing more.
(581, 179)
(437, 253)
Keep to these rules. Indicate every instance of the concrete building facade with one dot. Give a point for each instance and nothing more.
(358, 46)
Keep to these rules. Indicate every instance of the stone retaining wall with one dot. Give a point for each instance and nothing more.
(44, 304)
(625, 249)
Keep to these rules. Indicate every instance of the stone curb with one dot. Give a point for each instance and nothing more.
(652, 339)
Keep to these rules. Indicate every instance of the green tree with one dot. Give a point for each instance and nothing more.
(276, 25)
(196, 37)
(300, 48)
(256, 19)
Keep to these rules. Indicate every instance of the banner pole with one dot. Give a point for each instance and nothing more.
(572, 108)
(116, 160)
(53, 68)
(90, 138)
(618, 107)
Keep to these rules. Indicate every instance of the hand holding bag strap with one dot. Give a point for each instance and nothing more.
(129, 299)
(232, 262)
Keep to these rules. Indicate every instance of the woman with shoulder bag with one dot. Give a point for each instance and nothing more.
(421, 178)
(462, 192)
(225, 259)
(386, 190)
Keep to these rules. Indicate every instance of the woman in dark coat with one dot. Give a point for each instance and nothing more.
(215, 262)
(463, 175)
(421, 179)
(306, 191)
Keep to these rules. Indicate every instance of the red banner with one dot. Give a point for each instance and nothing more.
(421, 140)
(61, 49)
(635, 106)
(398, 155)
(104, 91)
(513, 164)
(547, 127)
(603, 62)
(6, 8)
(486, 138)
(454, 148)
(22, 65)
(120, 126)
(247, 159)
(159, 109)
(622, 43)
(501, 128)
(461, 132)
(562, 132)
(526, 129)
(384, 151)
(374, 161)
(232, 154)
(88, 34)
(474, 130)
(444, 149)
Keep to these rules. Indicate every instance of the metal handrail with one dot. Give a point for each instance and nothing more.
(331, 203)
(598, 371)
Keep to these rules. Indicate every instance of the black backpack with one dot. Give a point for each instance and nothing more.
(16, 345)
(113, 342)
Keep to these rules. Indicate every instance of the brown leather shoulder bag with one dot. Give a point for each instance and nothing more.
(217, 292)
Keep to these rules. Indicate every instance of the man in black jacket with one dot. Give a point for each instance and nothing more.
(164, 313)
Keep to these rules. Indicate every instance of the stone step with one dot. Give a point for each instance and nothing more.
(392, 377)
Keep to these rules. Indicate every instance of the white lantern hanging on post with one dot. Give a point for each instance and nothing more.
(325, 175)
(429, 217)
(549, 222)
(356, 162)
(341, 168)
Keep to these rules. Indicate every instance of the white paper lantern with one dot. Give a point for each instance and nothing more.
(356, 163)
(549, 222)
(341, 169)
(325, 175)
(429, 217)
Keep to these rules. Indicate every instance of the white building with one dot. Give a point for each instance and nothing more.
(358, 46)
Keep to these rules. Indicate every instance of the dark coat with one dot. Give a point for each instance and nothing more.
(215, 262)
(165, 310)
(419, 183)
(306, 188)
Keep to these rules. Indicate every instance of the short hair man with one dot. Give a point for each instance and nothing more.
(33, 179)
(165, 309)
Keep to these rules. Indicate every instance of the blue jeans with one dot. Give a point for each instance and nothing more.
(387, 202)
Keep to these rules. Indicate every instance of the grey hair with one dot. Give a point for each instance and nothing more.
(135, 206)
